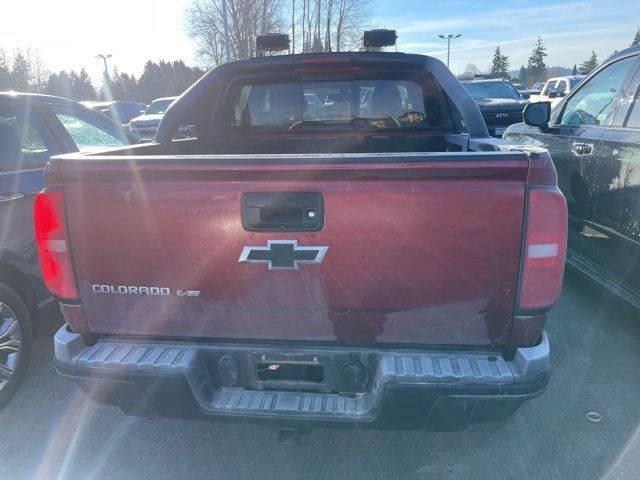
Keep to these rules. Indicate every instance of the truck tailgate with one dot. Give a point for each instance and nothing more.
(422, 248)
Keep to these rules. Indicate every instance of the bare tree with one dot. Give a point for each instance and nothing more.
(293, 26)
(472, 70)
(351, 19)
(328, 18)
(317, 41)
(343, 22)
(318, 26)
(38, 74)
(247, 18)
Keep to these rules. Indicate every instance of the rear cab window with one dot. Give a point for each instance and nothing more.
(360, 104)
(548, 86)
(562, 86)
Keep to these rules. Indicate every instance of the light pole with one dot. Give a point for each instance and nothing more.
(104, 59)
(227, 43)
(448, 38)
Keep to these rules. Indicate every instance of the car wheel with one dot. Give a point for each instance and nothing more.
(15, 342)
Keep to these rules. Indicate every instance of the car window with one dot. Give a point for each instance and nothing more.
(358, 104)
(89, 131)
(550, 84)
(21, 142)
(593, 102)
(562, 86)
(575, 81)
(158, 107)
(483, 90)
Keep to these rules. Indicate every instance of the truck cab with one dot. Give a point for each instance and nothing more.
(556, 88)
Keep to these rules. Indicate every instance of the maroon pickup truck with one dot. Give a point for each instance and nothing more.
(337, 242)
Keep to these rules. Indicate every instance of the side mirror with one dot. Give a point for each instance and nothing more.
(537, 115)
(525, 95)
(553, 94)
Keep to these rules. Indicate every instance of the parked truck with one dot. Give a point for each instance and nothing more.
(340, 242)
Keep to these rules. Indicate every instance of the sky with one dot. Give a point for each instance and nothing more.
(569, 28)
(70, 33)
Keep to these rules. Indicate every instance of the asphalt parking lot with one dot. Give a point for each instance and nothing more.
(51, 430)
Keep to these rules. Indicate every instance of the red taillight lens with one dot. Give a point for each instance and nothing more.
(53, 245)
(545, 248)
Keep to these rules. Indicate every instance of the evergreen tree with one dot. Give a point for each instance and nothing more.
(82, 88)
(636, 39)
(165, 79)
(123, 86)
(74, 80)
(575, 70)
(20, 73)
(523, 76)
(536, 67)
(52, 84)
(500, 64)
(5, 72)
(60, 85)
(589, 65)
(116, 92)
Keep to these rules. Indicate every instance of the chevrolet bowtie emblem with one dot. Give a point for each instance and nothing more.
(283, 254)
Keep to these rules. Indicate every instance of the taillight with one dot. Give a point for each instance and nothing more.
(545, 248)
(53, 245)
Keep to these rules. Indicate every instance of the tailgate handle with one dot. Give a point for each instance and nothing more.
(282, 211)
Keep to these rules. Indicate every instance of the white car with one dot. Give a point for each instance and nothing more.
(556, 88)
(145, 126)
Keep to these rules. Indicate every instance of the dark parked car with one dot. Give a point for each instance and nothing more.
(119, 111)
(32, 128)
(594, 139)
(499, 102)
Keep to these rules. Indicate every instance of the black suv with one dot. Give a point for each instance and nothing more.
(500, 103)
(593, 136)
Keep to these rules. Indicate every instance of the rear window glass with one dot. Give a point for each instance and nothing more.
(575, 81)
(158, 107)
(21, 144)
(484, 90)
(351, 104)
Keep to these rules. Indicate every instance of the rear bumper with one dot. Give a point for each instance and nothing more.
(403, 389)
